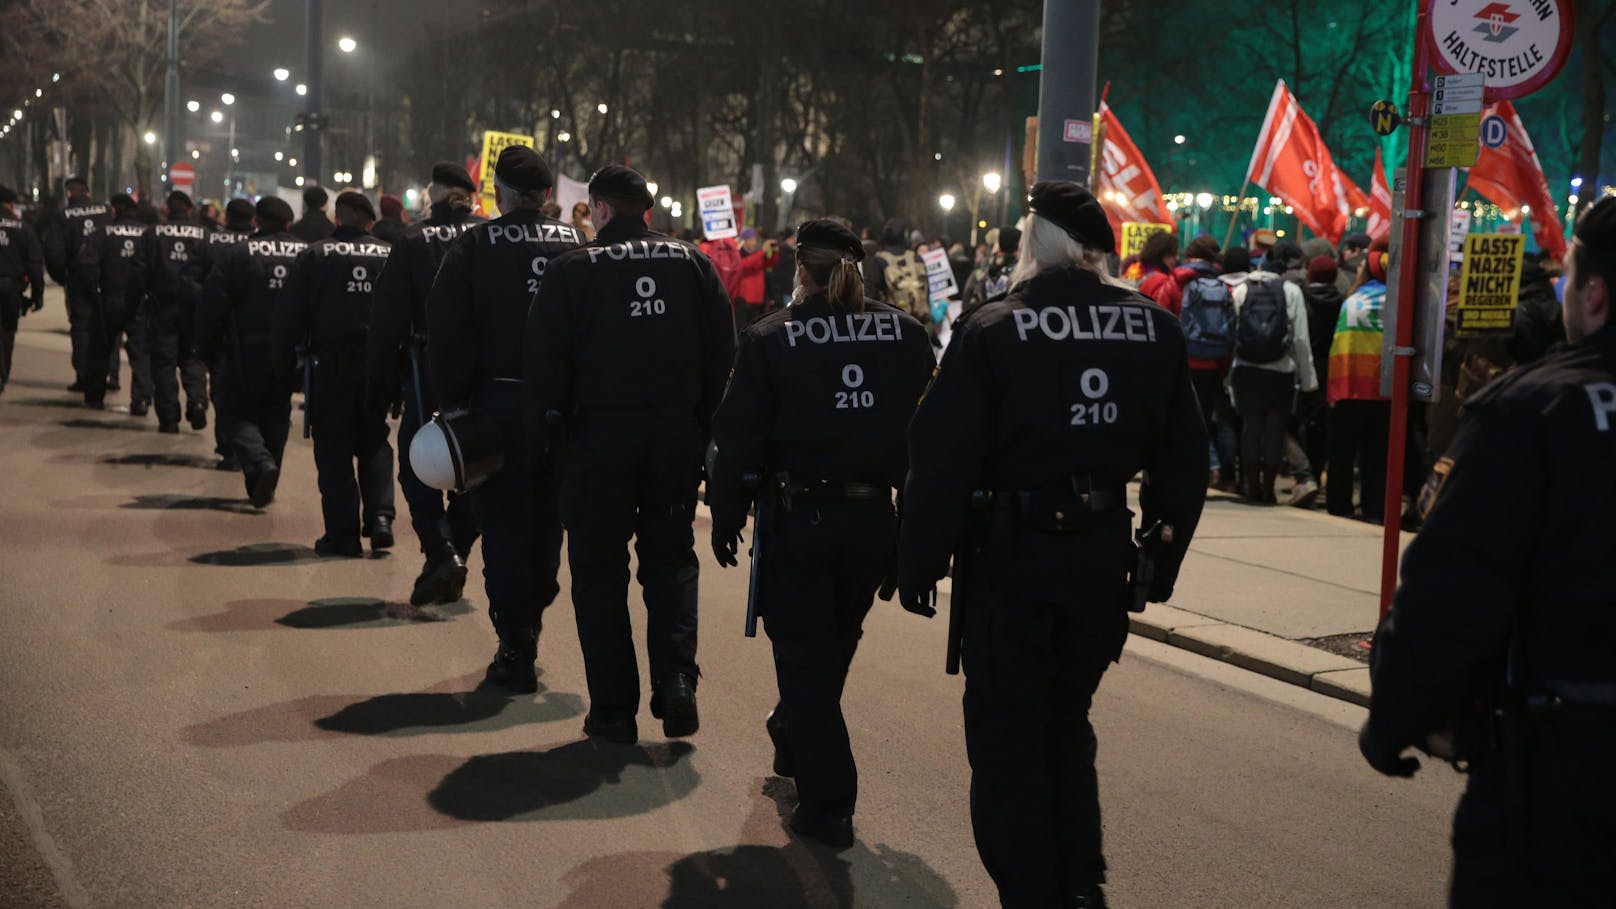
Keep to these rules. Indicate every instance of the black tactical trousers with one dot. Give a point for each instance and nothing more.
(221, 418)
(80, 327)
(255, 417)
(821, 567)
(348, 433)
(435, 525)
(171, 328)
(1359, 432)
(111, 322)
(1045, 621)
(1565, 814)
(11, 305)
(633, 475)
(517, 512)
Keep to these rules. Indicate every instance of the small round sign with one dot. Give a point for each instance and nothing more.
(1384, 118)
(1516, 45)
(1494, 131)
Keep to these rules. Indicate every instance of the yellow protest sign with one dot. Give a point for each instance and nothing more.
(1135, 233)
(1489, 283)
(493, 144)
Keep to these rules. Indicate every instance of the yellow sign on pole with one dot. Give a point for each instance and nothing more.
(493, 144)
(1135, 233)
(1490, 283)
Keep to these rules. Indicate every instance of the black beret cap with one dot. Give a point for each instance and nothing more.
(1596, 228)
(1359, 241)
(7, 195)
(1074, 210)
(1009, 239)
(521, 168)
(448, 173)
(240, 211)
(357, 202)
(823, 233)
(122, 200)
(180, 198)
(274, 208)
(315, 197)
(614, 181)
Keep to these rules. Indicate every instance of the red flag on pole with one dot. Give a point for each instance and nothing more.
(1380, 201)
(1128, 187)
(1292, 162)
(1508, 174)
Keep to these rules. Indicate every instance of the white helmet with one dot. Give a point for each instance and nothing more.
(456, 451)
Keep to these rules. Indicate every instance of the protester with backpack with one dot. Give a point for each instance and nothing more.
(1206, 312)
(897, 276)
(1272, 358)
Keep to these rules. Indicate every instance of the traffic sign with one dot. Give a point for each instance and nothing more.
(1517, 46)
(182, 175)
(1455, 121)
(1384, 118)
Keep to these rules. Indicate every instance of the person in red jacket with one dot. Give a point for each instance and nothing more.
(756, 259)
(1158, 259)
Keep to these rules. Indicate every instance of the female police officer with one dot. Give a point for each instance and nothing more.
(1047, 403)
(816, 410)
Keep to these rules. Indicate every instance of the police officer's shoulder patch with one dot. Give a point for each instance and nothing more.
(1433, 486)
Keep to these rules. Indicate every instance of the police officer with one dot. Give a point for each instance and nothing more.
(631, 339)
(169, 265)
(475, 313)
(325, 311)
(238, 225)
(1045, 405)
(106, 276)
(819, 405)
(80, 221)
(395, 359)
(1503, 629)
(235, 330)
(22, 266)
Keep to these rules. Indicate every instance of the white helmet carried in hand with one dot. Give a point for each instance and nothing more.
(456, 451)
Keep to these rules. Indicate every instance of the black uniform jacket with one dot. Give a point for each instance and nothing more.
(821, 393)
(1520, 535)
(633, 321)
(105, 271)
(241, 296)
(1068, 377)
(326, 301)
(478, 306)
(21, 256)
(81, 220)
(171, 259)
(398, 308)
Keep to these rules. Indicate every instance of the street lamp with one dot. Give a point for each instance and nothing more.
(1204, 200)
(601, 107)
(347, 45)
(291, 162)
(992, 182)
(281, 74)
(946, 201)
(1179, 139)
(228, 99)
(150, 138)
(788, 186)
(301, 89)
(279, 156)
(667, 202)
(193, 106)
(555, 114)
(563, 136)
(217, 116)
(651, 187)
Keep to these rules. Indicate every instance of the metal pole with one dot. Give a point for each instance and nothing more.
(1066, 89)
(315, 58)
(172, 140)
(230, 166)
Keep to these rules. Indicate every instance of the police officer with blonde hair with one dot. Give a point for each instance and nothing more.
(1045, 406)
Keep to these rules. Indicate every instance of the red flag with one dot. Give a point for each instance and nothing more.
(1128, 187)
(1511, 177)
(1380, 208)
(1292, 162)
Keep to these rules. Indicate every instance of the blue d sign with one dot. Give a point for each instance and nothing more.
(1494, 132)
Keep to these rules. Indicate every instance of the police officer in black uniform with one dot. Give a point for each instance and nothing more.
(1045, 405)
(107, 277)
(631, 340)
(169, 265)
(325, 310)
(396, 359)
(81, 220)
(1502, 636)
(238, 225)
(22, 267)
(475, 315)
(235, 330)
(818, 406)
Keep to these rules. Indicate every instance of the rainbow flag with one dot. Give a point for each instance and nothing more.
(1355, 353)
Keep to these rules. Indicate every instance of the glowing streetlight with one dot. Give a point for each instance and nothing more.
(279, 156)
(39, 93)
(299, 181)
(1204, 200)
(196, 153)
(150, 137)
(788, 186)
(301, 89)
(666, 202)
(16, 114)
(678, 210)
(281, 74)
(217, 116)
(56, 77)
(1179, 139)
(555, 114)
(193, 106)
(228, 99)
(563, 136)
(1576, 183)
(601, 107)
(946, 201)
(347, 45)
(991, 182)
(291, 162)
(651, 187)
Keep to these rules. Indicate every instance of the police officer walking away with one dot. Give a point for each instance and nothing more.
(22, 265)
(476, 313)
(325, 311)
(818, 407)
(631, 339)
(1502, 632)
(238, 225)
(169, 265)
(107, 277)
(396, 359)
(1045, 405)
(81, 221)
(235, 330)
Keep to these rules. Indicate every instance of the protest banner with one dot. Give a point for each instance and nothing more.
(493, 144)
(939, 274)
(717, 212)
(1489, 283)
(1135, 233)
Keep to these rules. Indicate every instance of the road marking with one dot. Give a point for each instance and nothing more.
(11, 776)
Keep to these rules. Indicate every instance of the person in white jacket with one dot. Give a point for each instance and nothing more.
(1273, 359)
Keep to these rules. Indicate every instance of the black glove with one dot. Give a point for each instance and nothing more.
(726, 546)
(918, 600)
(1389, 761)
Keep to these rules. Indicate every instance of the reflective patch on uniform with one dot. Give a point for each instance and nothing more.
(1433, 486)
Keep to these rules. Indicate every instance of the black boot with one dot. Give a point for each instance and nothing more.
(341, 547)
(197, 415)
(261, 488)
(619, 730)
(380, 531)
(674, 703)
(512, 669)
(836, 832)
(442, 579)
(785, 763)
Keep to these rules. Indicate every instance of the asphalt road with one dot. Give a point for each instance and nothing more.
(198, 712)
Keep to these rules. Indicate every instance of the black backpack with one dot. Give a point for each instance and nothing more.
(1262, 327)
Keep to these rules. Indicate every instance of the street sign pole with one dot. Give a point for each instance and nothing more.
(1066, 89)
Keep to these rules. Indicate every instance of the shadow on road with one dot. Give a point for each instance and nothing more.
(331, 612)
(162, 460)
(86, 423)
(254, 555)
(795, 875)
(177, 502)
(451, 706)
(68, 403)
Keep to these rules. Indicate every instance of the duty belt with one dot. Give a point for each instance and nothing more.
(821, 491)
(1071, 510)
(1580, 703)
